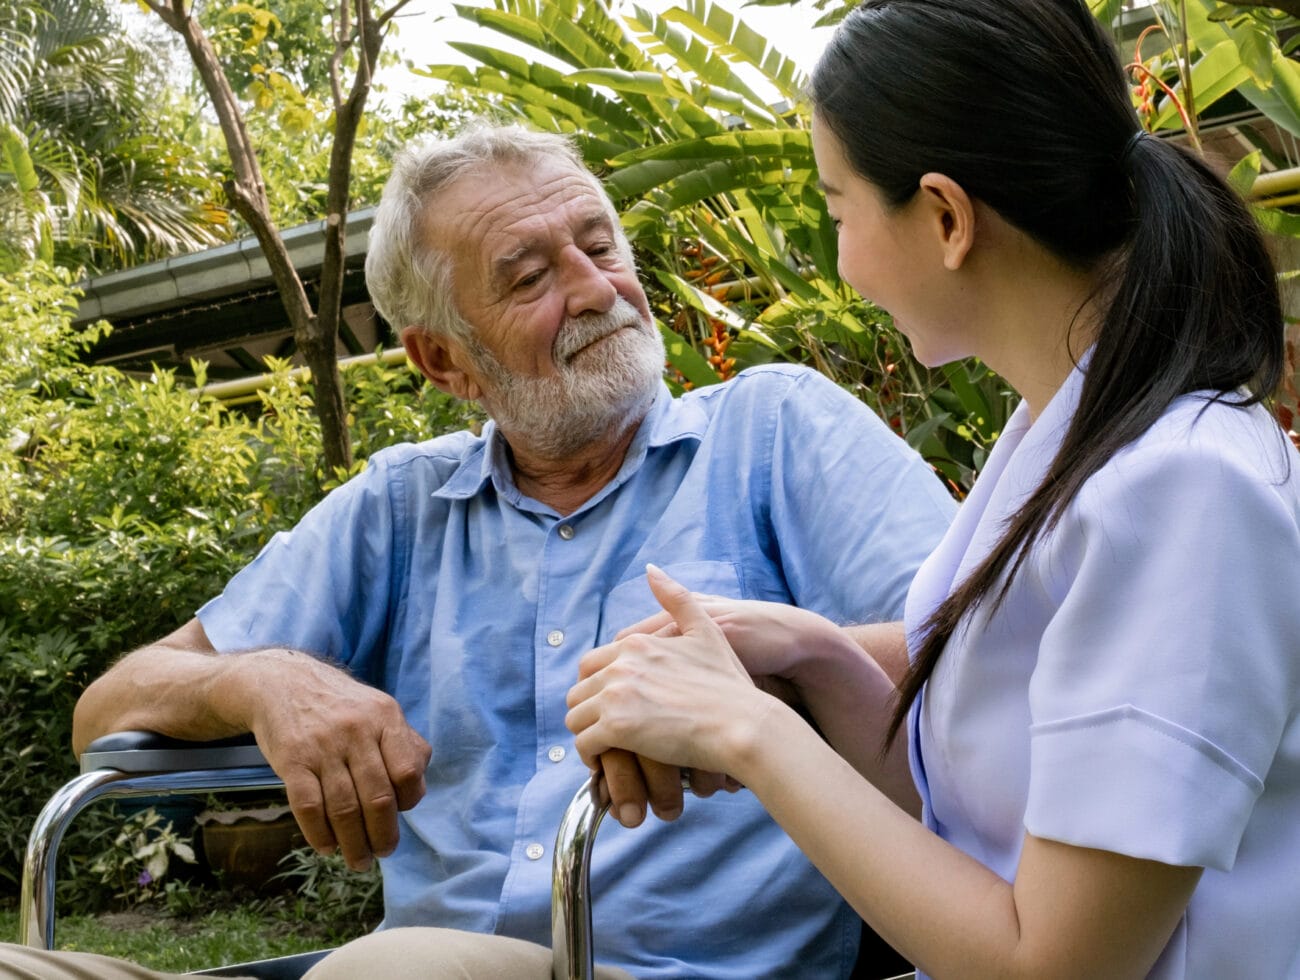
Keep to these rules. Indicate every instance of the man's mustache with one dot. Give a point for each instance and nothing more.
(579, 332)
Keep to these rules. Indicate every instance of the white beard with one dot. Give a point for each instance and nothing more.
(598, 391)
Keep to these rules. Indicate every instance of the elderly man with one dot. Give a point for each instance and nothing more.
(403, 654)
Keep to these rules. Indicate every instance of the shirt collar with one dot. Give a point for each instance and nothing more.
(486, 459)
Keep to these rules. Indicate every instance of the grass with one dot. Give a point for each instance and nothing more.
(163, 941)
(194, 926)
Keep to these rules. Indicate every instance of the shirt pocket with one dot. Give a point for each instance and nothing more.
(632, 601)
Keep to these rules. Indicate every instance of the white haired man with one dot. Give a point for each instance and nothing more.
(456, 583)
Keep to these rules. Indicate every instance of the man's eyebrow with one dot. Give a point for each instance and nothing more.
(597, 221)
(503, 266)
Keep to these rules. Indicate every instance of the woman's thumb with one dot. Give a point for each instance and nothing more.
(677, 600)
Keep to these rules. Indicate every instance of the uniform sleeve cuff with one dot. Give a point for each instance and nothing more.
(1127, 781)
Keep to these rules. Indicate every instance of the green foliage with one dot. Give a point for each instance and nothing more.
(276, 55)
(141, 855)
(325, 889)
(128, 503)
(89, 173)
(714, 176)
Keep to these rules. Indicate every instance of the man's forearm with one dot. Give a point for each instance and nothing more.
(886, 644)
(178, 686)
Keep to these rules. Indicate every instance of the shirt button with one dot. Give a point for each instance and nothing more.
(555, 637)
(556, 753)
(566, 532)
(534, 851)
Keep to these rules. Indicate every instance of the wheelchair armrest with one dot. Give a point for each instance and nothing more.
(128, 765)
(137, 752)
(573, 955)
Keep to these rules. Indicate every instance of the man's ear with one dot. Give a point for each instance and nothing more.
(440, 360)
(952, 213)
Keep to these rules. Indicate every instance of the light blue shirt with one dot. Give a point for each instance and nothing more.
(432, 577)
(1137, 690)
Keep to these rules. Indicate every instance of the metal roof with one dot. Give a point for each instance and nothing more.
(221, 304)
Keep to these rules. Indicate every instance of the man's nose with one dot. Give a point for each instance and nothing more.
(587, 287)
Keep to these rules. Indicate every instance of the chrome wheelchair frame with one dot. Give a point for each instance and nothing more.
(130, 765)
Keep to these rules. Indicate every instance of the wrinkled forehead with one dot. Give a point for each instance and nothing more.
(494, 210)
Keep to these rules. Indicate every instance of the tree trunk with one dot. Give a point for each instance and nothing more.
(315, 332)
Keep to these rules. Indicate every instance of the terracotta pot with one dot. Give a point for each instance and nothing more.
(246, 846)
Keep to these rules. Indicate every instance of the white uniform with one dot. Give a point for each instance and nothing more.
(1137, 689)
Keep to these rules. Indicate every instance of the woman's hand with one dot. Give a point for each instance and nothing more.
(677, 694)
(771, 640)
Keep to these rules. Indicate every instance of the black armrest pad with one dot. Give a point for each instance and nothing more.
(151, 752)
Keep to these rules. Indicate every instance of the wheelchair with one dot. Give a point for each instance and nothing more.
(128, 765)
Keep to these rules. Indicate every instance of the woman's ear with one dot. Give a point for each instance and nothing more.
(952, 213)
(439, 359)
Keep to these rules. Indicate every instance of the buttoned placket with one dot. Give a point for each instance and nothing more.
(559, 642)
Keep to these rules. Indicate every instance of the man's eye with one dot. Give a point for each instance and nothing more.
(529, 280)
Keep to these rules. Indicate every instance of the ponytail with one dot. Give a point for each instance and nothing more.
(1190, 301)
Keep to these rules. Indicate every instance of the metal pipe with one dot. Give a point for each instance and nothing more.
(573, 957)
(1276, 182)
(242, 389)
(1280, 202)
(36, 911)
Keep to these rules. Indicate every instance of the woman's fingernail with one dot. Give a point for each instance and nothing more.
(630, 814)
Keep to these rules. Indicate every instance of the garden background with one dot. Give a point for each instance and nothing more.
(129, 497)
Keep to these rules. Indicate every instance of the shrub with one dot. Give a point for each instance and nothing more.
(128, 502)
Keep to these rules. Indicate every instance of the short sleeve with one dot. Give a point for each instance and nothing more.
(838, 470)
(323, 587)
(1166, 678)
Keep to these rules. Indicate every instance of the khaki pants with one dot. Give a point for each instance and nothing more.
(25, 963)
(393, 954)
(441, 954)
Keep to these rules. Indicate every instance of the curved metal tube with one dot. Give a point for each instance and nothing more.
(574, 956)
(36, 912)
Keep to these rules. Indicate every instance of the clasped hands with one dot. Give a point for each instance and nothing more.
(671, 694)
(668, 694)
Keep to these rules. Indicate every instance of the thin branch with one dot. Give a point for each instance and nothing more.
(1184, 58)
(341, 44)
(163, 11)
(387, 15)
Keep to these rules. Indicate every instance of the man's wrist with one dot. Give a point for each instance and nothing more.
(236, 689)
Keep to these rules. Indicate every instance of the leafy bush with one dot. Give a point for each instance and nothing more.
(141, 855)
(128, 502)
(342, 903)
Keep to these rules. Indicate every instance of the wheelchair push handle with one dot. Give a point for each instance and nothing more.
(571, 944)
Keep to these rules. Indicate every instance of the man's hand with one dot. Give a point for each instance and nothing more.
(630, 781)
(679, 695)
(769, 639)
(348, 758)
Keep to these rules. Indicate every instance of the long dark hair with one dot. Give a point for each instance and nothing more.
(1024, 104)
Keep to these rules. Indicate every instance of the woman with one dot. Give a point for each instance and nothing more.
(1101, 699)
